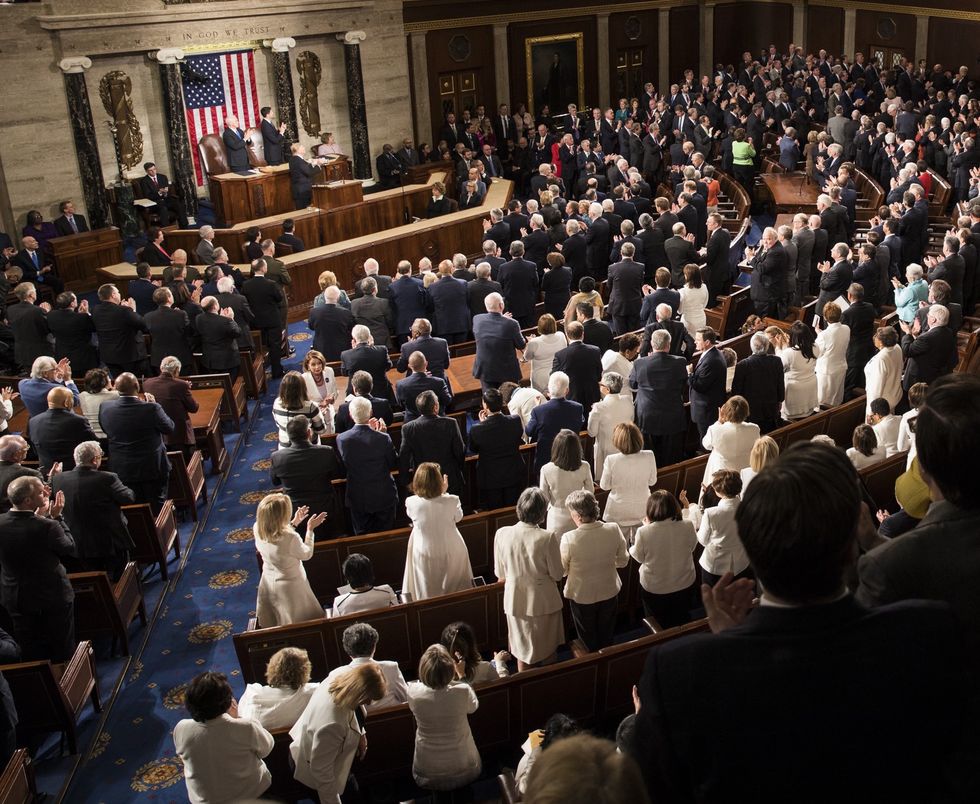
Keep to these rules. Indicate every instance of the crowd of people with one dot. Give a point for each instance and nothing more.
(625, 271)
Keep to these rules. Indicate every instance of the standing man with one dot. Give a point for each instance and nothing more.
(331, 325)
(234, 139)
(369, 456)
(120, 330)
(272, 137)
(300, 176)
(496, 439)
(581, 364)
(716, 253)
(175, 397)
(219, 339)
(170, 330)
(365, 356)
(519, 280)
(658, 381)
(408, 297)
(435, 438)
(769, 273)
(759, 378)
(265, 298)
(707, 380)
(498, 336)
(435, 350)
(625, 285)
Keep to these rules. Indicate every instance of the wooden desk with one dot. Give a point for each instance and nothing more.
(461, 379)
(791, 192)
(207, 427)
(785, 219)
(242, 197)
(79, 256)
(338, 194)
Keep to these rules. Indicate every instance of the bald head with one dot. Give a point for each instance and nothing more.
(417, 362)
(127, 384)
(60, 398)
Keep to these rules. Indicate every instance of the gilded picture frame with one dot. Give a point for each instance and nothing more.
(555, 71)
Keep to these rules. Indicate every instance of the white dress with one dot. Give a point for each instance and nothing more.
(861, 461)
(540, 353)
(284, 592)
(883, 377)
(275, 707)
(691, 308)
(832, 363)
(731, 446)
(90, 404)
(801, 383)
(557, 484)
(437, 562)
(446, 756)
(613, 409)
(628, 479)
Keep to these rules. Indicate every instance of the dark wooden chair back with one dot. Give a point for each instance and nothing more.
(154, 536)
(187, 481)
(17, 784)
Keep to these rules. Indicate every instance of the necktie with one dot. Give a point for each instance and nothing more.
(71, 220)
(154, 180)
(34, 258)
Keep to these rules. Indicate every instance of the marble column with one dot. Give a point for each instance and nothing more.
(921, 37)
(356, 104)
(706, 25)
(501, 65)
(86, 147)
(799, 25)
(850, 32)
(663, 51)
(602, 46)
(282, 73)
(178, 140)
(420, 87)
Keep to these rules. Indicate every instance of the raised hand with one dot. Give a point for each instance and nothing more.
(299, 515)
(56, 506)
(728, 602)
(315, 521)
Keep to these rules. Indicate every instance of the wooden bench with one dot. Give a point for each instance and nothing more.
(17, 785)
(49, 697)
(871, 195)
(102, 607)
(939, 198)
(879, 480)
(234, 406)
(731, 313)
(187, 482)
(154, 536)
(252, 373)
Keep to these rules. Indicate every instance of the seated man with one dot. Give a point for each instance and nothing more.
(826, 643)
(58, 430)
(155, 187)
(360, 642)
(361, 384)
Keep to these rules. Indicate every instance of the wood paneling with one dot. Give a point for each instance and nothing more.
(685, 43)
(643, 25)
(866, 32)
(824, 29)
(953, 43)
(750, 26)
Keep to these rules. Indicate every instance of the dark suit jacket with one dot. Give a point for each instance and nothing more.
(409, 299)
(598, 334)
(598, 242)
(951, 270)
(625, 285)
(497, 338)
(556, 286)
(451, 306)
(436, 439)
(369, 457)
(374, 313)
(687, 682)
(305, 470)
(668, 296)
(55, 434)
(372, 359)
(234, 140)
(136, 432)
(582, 363)
(707, 382)
(497, 441)
(170, 332)
(519, 280)
(33, 577)
(759, 378)
(380, 409)
(476, 293)
(575, 252)
(929, 356)
(500, 233)
(547, 420)
(680, 252)
(300, 176)
(407, 390)
(331, 325)
(659, 384)
(436, 352)
(219, 341)
(64, 227)
(272, 143)
(141, 291)
(719, 273)
(120, 332)
(834, 283)
(9, 472)
(244, 317)
(265, 299)
(537, 244)
(174, 396)
(30, 328)
(770, 273)
(92, 510)
(681, 342)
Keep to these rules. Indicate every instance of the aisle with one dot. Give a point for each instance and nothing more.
(212, 598)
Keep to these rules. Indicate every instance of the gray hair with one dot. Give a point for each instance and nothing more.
(226, 284)
(627, 250)
(370, 266)
(912, 271)
(331, 295)
(220, 253)
(205, 231)
(210, 304)
(660, 340)
(41, 366)
(459, 261)
(572, 227)
(494, 301)
(489, 247)
(369, 286)
(584, 504)
(558, 384)
(360, 410)
(532, 506)
(939, 314)
(361, 333)
(613, 380)
(170, 365)
(537, 220)
(663, 311)
(645, 220)
(759, 343)
(87, 453)
(360, 640)
(483, 270)
(10, 445)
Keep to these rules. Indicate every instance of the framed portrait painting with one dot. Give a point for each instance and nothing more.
(555, 72)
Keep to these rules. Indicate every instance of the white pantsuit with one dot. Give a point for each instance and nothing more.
(731, 446)
(284, 594)
(832, 363)
(883, 377)
(613, 409)
(556, 484)
(801, 383)
(628, 479)
(325, 740)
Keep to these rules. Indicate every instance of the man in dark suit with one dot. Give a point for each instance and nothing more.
(836, 278)
(141, 289)
(369, 456)
(93, 501)
(911, 226)
(36, 268)
(537, 242)
(240, 309)
(362, 385)
(582, 364)
(939, 292)
(219, 338)
(73, 330)
(409, 299)
(575, 250)
(174, 396)
(408, 390)
(170, 330)
(272, 137)
(365, 356)
(300, 176)
(707, 380)
(70, 222)
(625, 285)
(13, 452)
(58, 430)
(860, 318)
(519, 280)
(663, 294)
(597, 333)
(497, 230)
(680, 251)
(717, 252)
(29, 323)
(35, 589)
(120, 330)
(681, 342)
(305, 470)
(372, 270)
(496, 438)
(817, 629)
(950, 269)
(156, 187)
(435, 350)
(659, 381)
(516, 220)
(931, 354)
(497, 338)
(435, 438)
(331, 325)
(769, 275)
(265, 298)
(450, 307)
(234, 140)
(289, 238)
(598, 243)
(759, 378)
(408, 154)
(388, 167)
(479, 288)
(553, 416)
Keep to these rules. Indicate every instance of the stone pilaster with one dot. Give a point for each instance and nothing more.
(178, 140)
(86, 147)
(921, 37)
(799, 25)
(420, 87)
(663, 52)
(602, 44)
(850, 32)
(356, 104)
(282, 73)
(706, 25)
(501, 65)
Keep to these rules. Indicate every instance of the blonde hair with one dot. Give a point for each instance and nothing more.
(427, 482)
(627, 438)
(583, 769)
(289, 667)
(831, 312)
(363, 684)
(272, 517)
(735, 410)
(436, 667)
(765, 450)
(429, 278)
(327, 279)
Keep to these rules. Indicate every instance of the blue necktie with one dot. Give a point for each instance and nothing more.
(37, 264)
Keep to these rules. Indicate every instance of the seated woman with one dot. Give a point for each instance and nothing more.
(293, 401)
(865, 450)
(328, 279)
(765, 450)
(221, 751)
(361, 594)
(446, 756)
(460, 641)
(279, 702)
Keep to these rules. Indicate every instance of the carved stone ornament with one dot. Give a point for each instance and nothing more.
(75, 64)
(115, 90)
(310, 72)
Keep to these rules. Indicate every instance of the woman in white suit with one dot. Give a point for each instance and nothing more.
(883, 373)
(327, 736)
(279, 702)
(730, 439)
(527, 559)
(565, 473)
(799, 353)
(591, 555)
(438, 562)
(628, 475)
(612, 409)
(321, 386)
(694, 298)
(541, 350)
(718, 531)
(832, 362)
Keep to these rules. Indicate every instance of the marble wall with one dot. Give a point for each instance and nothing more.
(37, 155)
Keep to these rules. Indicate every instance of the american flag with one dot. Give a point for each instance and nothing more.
(215, 86)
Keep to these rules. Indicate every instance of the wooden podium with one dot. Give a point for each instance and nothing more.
(337, 194)
(77, 257)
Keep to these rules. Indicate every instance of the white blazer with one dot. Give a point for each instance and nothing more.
(325, 740)
(628, 479)
(731, 446)
(883, 377)
(833, 348)
(590, 556)
(860, 460)
(397, 688)
(718, 532)
(528, 558)
(275, 707)
(613, 409)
